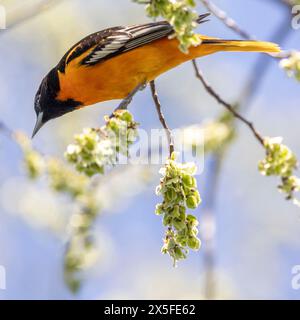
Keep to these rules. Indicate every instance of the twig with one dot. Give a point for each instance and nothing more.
(229, 22)
(30, 13)
(232, 24)
(208, 223)
(228, 106)
(289, 3)
(161, 117)
(286, 3)
(126, 102)
(262, 64)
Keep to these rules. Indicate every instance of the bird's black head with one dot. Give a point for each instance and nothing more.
(46, 104)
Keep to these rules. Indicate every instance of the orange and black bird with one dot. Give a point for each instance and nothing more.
(112, 63)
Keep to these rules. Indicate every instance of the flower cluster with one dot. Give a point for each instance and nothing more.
(292, 65)
(81, 251)
(212, 136)
(62, 179)
(95, 149)
(33, 161)
(178, 187)
(280, 161)
(219, 133)
(81, 245)
(180, 14)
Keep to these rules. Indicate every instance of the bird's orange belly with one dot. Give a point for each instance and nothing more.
(115, 78)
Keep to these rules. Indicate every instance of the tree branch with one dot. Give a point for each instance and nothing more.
(30, 13)
(161, 117)
(126, 102)
(229, 22)
(289, 3)
(228, 106)
(262, 64)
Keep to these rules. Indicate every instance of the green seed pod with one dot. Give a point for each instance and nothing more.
(178, 224)
(176, 212)
(126, 116)
(170, 244)
(192, 202)
(178, 253)
(182, 240)
(194, 193)
(188, 180)
(197, 195)
(192, 220)
(182, 210)
(186, 190)
(194, 243)
(182, 216)
(171, 194)
(90, 143)
(159, 209)
(167, 220)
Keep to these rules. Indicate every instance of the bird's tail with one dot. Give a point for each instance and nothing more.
(216, 45)
(210, 44)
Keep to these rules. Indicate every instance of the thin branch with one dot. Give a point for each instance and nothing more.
(283, 3)
(161, 117)
(126, 102)
(228, 106)
(289, 3)
(30, 13)
(208, 223)
(280, 35)
(229, 22)
(232, 24)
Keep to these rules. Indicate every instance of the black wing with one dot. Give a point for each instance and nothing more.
(114, 41)
(126, 39)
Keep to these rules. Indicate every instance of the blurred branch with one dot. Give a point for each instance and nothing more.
(161, 117)
(289, 3)
(262, 64)
(126, 102)
(228, 21)
(22, 15)
(208, 224)
(232, 24)
(214, 173)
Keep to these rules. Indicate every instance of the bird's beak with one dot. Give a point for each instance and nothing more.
(38, 125)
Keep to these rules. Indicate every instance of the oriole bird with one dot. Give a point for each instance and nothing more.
(110, 64)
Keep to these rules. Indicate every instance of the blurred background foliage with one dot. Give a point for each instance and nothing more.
(250, 235)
